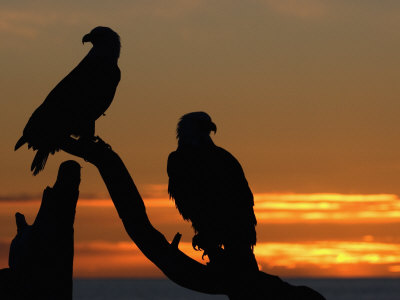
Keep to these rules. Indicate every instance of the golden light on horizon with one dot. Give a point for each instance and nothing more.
(286, 207)
(331, 255)
(324, 257)
(104, 250)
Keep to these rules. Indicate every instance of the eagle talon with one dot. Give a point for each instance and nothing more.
(100, 142)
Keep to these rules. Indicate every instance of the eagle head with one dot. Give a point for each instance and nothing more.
(194, 129)
(103, 37)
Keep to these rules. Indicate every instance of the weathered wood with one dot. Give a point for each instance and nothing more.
(41, 254)
(229, 276)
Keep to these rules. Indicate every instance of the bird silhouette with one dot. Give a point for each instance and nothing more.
(210, 189)
(77, 101)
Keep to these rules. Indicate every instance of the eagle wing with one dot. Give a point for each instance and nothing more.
(74, 103)
(88, 89)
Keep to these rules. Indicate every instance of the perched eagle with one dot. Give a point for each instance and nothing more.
(210, 188)
(74, 105)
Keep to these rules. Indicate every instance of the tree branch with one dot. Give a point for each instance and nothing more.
(226, 278)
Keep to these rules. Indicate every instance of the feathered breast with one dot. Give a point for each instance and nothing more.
(210, 189)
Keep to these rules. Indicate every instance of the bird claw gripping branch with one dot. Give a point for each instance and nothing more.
(94, 149)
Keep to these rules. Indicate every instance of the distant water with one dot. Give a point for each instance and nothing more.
(143, 289)
(354, 289)
(134, 289)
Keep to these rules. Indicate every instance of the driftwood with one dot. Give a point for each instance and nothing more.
(231, 277)
(41, 254)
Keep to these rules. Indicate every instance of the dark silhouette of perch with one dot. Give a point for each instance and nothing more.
(41, 254)
(231, 277)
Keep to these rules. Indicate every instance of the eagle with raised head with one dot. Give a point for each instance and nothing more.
(77, 101)
(210, 189)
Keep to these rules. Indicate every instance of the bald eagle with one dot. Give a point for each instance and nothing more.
(74, 105)
(210, 189)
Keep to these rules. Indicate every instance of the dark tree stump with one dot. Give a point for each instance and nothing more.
(41, 254)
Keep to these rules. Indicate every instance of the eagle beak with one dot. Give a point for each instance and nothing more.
(86, 38)
(213, 128)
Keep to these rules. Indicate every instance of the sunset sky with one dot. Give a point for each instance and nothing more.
(305, 94)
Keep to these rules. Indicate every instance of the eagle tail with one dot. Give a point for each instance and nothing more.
(20, 142)
(39, 161)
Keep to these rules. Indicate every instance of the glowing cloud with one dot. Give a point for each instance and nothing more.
(382, 208)
(327, 257)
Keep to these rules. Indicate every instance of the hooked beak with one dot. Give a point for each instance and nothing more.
(86, 38)
(213, 127)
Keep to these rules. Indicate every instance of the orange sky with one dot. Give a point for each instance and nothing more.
(304, 93)
(330, 235)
